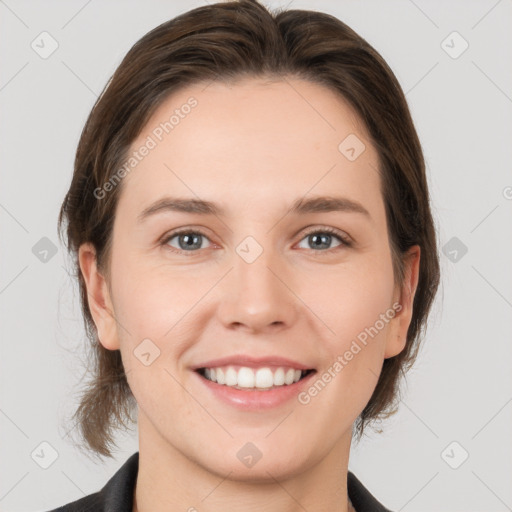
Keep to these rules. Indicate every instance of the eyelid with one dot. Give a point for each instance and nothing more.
(164, 240)
(346, 240)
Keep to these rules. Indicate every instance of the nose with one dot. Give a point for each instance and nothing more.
(258, 296)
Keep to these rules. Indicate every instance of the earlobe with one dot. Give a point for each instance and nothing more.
(397, 339)
(98, 295)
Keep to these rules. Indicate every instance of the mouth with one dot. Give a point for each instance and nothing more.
(244, 378)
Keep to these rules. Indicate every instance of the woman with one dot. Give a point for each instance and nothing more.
(256, 254)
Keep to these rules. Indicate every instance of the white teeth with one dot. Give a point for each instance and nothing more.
(279, 377)
(231, 377)
(264, 378)
(221, 379)
(247, 378)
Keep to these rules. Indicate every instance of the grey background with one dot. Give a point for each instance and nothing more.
(460, 389)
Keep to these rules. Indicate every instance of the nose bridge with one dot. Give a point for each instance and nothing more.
(256, 295)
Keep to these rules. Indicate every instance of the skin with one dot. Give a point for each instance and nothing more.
(254, 147)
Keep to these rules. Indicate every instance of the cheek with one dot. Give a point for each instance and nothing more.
(362, 310)
(156, 311)
(162, 312)
(357, 305)
(152, 300)
(350, 298)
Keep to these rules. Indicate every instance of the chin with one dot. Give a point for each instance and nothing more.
(258, 462)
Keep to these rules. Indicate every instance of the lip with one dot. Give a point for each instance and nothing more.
(253, 362)
(255, 400)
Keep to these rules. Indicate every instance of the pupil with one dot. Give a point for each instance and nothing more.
(322, 238)
(189, 241)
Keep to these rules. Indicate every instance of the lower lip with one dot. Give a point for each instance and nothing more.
(253, 399)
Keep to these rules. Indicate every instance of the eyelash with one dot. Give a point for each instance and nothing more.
(345, 241)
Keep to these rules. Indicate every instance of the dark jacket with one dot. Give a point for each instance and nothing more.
(117, 494)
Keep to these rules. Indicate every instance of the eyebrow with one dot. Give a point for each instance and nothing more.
(302, 206)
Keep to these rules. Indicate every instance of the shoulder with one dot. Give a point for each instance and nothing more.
(115, 496)
(361, 498)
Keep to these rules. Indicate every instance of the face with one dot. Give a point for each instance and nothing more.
(264, 275)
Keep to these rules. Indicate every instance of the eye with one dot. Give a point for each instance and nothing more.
(190, 241)
(187, 240)
(320, 238)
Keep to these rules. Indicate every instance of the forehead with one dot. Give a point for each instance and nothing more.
(252, 141)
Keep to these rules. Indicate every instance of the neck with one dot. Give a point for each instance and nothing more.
(167, 479)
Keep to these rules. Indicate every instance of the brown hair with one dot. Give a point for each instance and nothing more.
(226, 41)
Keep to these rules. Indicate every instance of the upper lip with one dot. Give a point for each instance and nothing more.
(252, 362)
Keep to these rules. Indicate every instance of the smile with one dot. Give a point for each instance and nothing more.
(245, 378)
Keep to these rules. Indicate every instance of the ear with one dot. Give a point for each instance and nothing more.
(100, 302)
(397, 337)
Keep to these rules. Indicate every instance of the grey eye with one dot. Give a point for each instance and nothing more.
(320, 240)
(187, 241)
